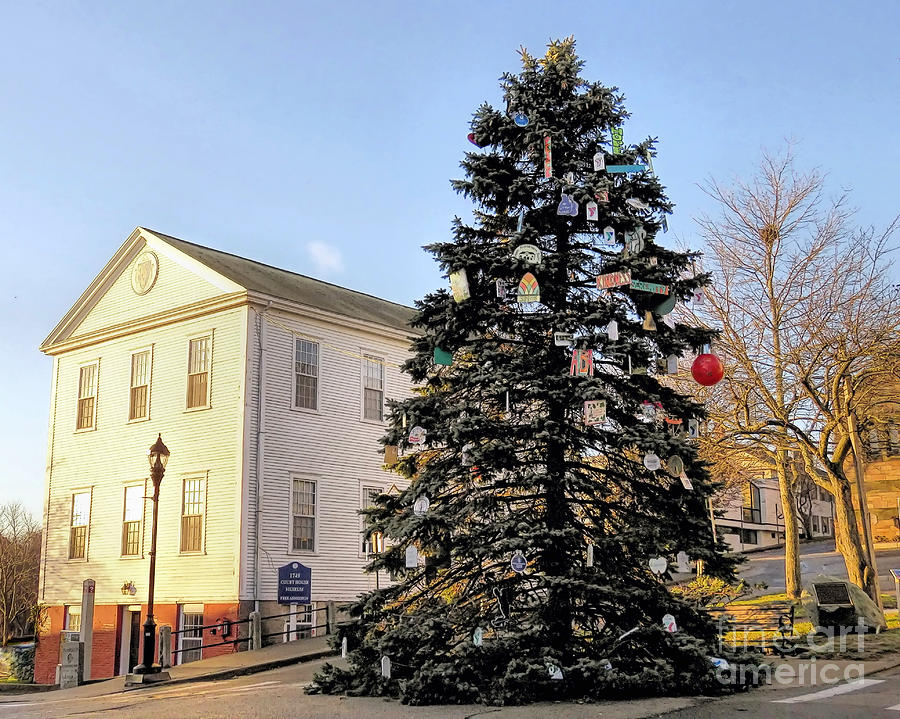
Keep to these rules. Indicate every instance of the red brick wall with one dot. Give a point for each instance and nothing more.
(47, 655)
(107, 637)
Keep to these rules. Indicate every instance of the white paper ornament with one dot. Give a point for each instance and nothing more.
(658, 565)
(554, 671)
(569, 177)
(417, 435)
(421, 505)
(637, 204)
(671, 364)
(651, 461)
(501, 289)
(478, 637)
(668, 622)
(599, 162)
(685, 481)
(529, 254)
(466, 458)
(591, 210)
(459, 285)
(412, 556)
(590, 555)
(612, 330)
(563, 339)
(386, 667)
(684, 562)
(693, 428)
(344, 648)
(609, 235)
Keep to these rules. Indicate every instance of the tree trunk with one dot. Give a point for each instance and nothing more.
(791, 534)
(847, 540)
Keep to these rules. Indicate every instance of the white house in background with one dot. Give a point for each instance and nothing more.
(268, 388)
(754, 518)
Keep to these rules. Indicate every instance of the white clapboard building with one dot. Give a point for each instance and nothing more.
(268, 388)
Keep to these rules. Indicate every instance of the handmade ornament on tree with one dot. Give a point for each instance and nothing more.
(567, 206)
(634, 241)
(554, 671)
(478, 637)
(707, 369)
(459, 285)
(625, 169)
(521, 221)
(672, 364)
(465, 457)
(582, 363)
(612, 330)
(529, 291)
(412, 557)
(548, 158)
(421, 505)
(613, 279)
(502, 597)
(518, 563)
(649, 158)
(599, 161)
(649, 287)
(665, 307)
(684, 562)
(589, 560)
(669, 625)
(651, 461)
(591, 211)
(698, 297)
(417, 435)
(637, 204)
(569, 177)
(501, 289)
(664, 224)
(658, 565)
(472, 139)
(530, 254)
(686, 481)
(649, 323)
(693, 429)
(602, 195)
(675, 466)
(386, 667)
(442, 356)
(521, 119)
(563, 339)
(618, 140)
(594, 411)
(609, 235)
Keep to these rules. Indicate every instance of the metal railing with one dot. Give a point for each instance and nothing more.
(219, 625)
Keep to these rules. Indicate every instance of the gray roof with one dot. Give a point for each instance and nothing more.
(297, 288)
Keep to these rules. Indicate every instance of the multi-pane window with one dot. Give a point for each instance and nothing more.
(138, 400)
(72, 620)
(192, 515)
(78, 533)
(87, 396)
(369, 497)
(198, 372)
(306, 373)
(303, 515)
(191, 636)
(373, 388)
(752, 511)
(131, 521)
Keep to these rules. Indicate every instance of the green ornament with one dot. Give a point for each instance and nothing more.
(442, 356)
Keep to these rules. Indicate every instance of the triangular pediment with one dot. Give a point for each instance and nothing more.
(147, 278)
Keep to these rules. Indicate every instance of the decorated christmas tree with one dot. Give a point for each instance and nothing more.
(553, 484)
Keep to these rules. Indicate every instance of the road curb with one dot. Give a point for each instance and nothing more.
(241, 671)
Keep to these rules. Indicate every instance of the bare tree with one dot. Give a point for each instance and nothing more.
(800, 297)
(20, 555)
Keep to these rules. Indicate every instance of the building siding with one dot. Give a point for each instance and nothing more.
(333, 446)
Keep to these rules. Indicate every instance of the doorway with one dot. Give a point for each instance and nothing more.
(130, 645)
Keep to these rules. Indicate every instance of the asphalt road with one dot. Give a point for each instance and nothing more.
(874, 697)
(819, 558)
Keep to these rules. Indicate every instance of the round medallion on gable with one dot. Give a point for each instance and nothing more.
(143, 274)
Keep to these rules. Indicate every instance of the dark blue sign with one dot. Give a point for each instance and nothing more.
(294, 581)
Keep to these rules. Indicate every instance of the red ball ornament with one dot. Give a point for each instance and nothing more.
(707, 369)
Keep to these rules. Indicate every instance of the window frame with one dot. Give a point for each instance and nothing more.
(96, 396)
(294, 405)
(67, 618)
(87, 525)
(132, 386)
(294, 477)
(184, 610)
(364, 487)
(208, 336)
(367, 357)
(203, 492)
(142, 487)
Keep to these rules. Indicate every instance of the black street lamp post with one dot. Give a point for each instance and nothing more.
(158, 456)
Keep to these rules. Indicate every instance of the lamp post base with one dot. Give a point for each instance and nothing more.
(143, 679)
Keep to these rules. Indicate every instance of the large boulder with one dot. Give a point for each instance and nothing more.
(866, 609)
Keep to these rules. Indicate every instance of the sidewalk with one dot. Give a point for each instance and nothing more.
(223, 666)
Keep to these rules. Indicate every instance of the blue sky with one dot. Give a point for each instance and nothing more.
(322, 137)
